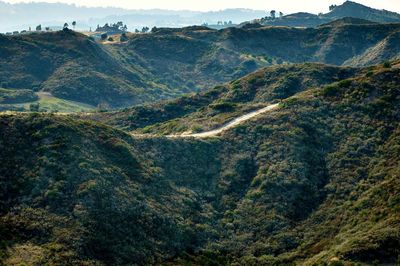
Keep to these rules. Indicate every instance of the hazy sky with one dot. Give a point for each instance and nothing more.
(287, 6)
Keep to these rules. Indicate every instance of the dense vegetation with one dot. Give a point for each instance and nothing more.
(167, 63)
(16, 96)
(29, 101)
(70, 66)
(315, 182)
(196, 58)
(224, 102)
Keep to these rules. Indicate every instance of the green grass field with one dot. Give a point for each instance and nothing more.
(49, 103)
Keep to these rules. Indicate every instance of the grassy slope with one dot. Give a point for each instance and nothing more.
(327, 179)
(314, 180)
(45, 102)
(70, 66)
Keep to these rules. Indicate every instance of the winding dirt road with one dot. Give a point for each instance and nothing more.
(212, 133)
(237, 121)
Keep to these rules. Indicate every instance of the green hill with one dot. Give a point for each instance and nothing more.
(314, 182)
(346, 10)
(72, 67)
(167, 63)
(356, 10)
(224, 102)
(387, 48)
(260, 46)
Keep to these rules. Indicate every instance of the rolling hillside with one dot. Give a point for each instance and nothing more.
(256, 145)
(167, 63)
(337, 12)
(356, 10)
(387, 48)
(224, 102)
(72, 67)
(312, 182)
(197, 58)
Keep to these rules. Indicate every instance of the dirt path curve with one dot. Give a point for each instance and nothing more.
(237, 121)
(212, 133)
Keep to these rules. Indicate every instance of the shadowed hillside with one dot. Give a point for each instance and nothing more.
(346, 21)
(224, 102)
(314, 181)
(197, 58)
(70, 66)
(170, 62)
(387, 48)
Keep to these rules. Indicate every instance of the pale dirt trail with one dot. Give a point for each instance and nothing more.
(212, 133)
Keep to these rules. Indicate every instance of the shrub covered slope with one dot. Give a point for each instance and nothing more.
(312, 182)
(71, 66)
(167, 63)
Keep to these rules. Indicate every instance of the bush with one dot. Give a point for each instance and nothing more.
(345, 83)
(223, 106)
(336, 263)
(34, 107)
(16, 96)
(387, 65)
(123, 37)
(4, 85)
(330, 91)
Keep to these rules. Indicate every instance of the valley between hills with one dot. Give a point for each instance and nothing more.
(252, 145)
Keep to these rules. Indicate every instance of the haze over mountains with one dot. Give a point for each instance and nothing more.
(23, 15)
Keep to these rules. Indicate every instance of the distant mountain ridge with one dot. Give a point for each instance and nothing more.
(23, 15)
(347, 9)
(355, 10)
